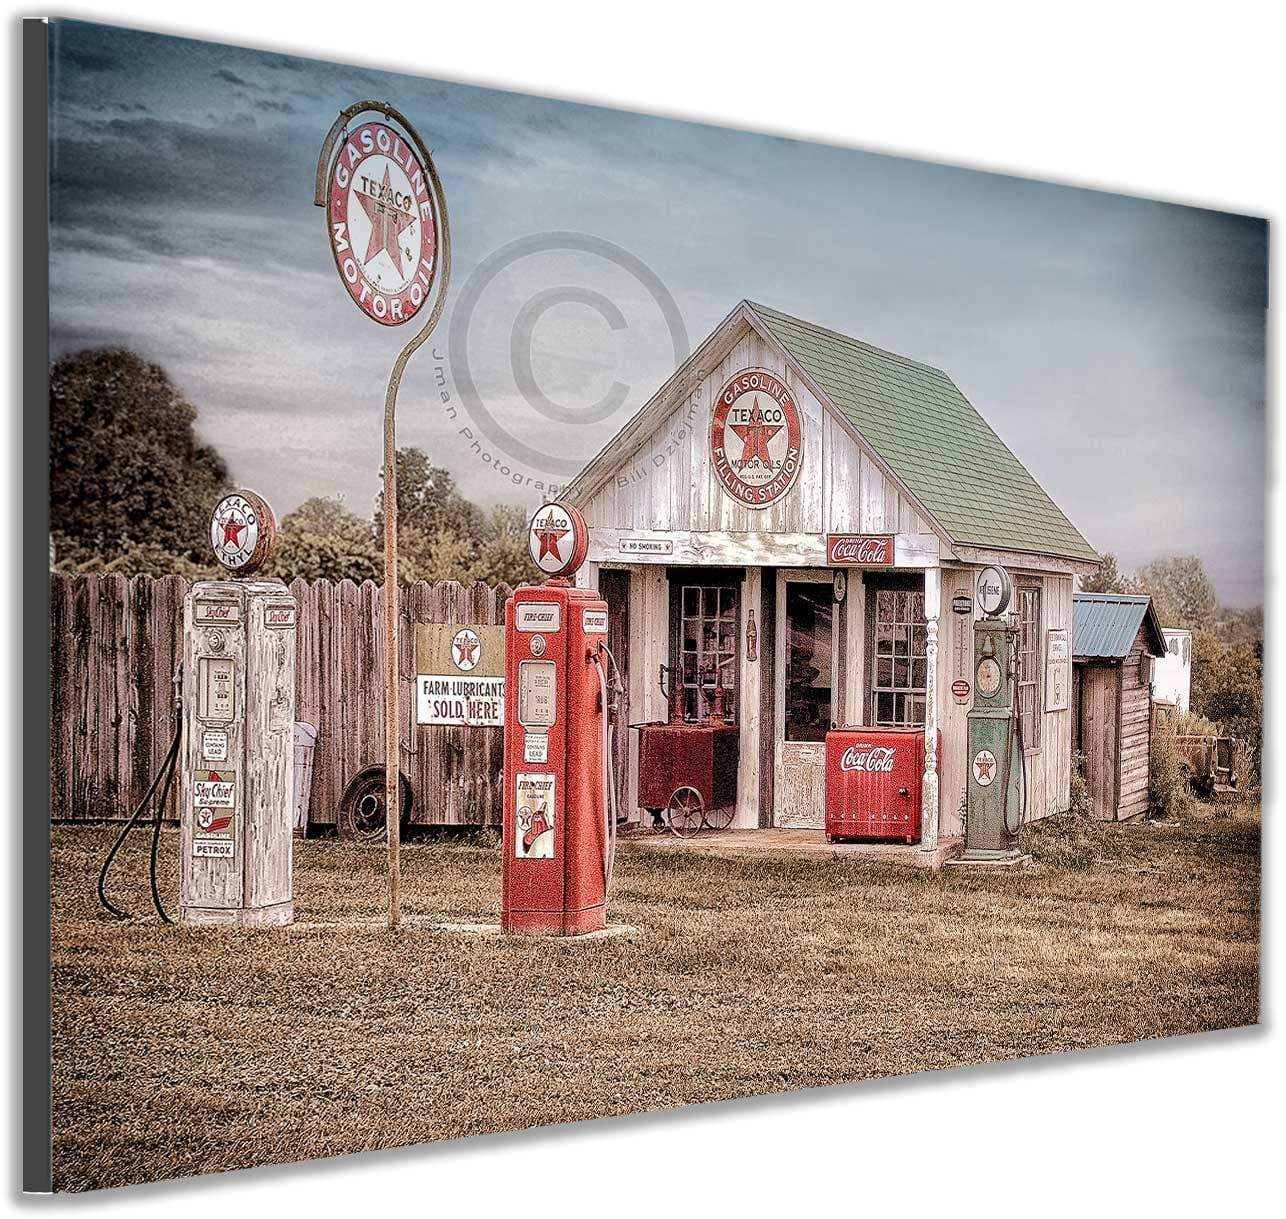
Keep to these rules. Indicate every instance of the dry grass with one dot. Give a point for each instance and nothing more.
(180, 1051)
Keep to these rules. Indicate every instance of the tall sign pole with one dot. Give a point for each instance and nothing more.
(386, 221)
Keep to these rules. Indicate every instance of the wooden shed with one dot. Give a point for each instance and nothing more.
(1115, 640)
(805, 515)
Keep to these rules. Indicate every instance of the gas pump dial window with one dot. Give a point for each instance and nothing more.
(536, 684)
(988, 677)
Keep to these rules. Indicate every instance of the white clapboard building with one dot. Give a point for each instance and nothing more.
(808, 513)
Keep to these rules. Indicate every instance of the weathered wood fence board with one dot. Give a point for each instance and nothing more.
(116, 642)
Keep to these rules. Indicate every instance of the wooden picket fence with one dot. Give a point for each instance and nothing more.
(116, 642)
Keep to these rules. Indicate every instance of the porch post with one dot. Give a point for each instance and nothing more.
(929, 783)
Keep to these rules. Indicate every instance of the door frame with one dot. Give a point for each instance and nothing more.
(797, 575)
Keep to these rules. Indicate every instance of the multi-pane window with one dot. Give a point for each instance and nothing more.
(708, 648)
(899, 660)
(1029, 664)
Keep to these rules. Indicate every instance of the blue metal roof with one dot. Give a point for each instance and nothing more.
(1106, 624)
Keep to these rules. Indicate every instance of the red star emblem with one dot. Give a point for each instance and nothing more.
(466, 648)
(983, 767)
(549, 537)
(387, 222)
(232, 532)
(755, 436)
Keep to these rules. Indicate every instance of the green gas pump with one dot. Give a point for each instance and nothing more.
(995, 775)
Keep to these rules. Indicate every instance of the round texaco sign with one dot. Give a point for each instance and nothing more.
(242, 531)
(756, 438)
(382, 224)
(558, 539)
(466, 649)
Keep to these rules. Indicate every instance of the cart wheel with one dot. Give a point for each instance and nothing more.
(685, 808)
(720, 818)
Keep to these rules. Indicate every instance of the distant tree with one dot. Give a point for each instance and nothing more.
(323, 540)
(1180, 590)
(439, 530)
(1108, 580)
(503, 557)
(128, 477)
(135, 559)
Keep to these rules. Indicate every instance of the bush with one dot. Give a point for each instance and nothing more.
(1243, 770)
(1192, 724)
(1168, 792)
(1080, 804)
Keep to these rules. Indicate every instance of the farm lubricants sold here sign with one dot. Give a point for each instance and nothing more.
(460, 675)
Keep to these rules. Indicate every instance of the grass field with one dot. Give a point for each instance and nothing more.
(181, 1051)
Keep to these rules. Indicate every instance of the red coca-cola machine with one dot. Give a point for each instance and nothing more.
(873, 779)
(559, 831)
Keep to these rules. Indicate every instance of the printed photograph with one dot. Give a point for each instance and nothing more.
(557, 613)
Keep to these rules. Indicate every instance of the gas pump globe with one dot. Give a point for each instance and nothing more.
(995, 776)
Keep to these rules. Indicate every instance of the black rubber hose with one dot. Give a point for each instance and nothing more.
(156, 826)
(165, 772)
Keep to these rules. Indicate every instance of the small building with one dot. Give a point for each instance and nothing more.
(1117, 638)
(798, 518)
(1172, 673)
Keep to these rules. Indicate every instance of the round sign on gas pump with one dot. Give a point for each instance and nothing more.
(558, 539)
(995, 589)
(242, 532)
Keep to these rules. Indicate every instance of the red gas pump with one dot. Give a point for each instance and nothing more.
(559, 823)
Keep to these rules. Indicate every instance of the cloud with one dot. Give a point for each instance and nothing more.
(1117, 345)
(88, 61)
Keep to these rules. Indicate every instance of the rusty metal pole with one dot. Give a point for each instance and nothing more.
(392, 600)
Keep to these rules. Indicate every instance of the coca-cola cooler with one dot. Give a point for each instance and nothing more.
(873, 779)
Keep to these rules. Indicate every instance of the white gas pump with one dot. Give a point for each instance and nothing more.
(238, 702)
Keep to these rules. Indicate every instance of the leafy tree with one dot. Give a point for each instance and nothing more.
(1181, 591)
(323, 540)
(128, 476)
(135, 559)
(503, 556)
(438, 530)
(1108, 580)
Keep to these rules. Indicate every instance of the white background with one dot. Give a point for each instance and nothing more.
(1166, 100)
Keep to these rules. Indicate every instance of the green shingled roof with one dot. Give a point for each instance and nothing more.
(931, 436)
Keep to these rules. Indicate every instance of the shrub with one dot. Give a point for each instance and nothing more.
(1168, 792)
(1243, 770)
(1192, 724)
(1079, 804)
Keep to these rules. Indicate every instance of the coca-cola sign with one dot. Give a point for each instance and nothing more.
(859, 549)
(877, 759)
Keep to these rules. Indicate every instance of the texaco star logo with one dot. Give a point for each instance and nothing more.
(466, 650)
(234, 531)
(383, 231)
(984, 767)
(242, 530)
(756, 438)
(557, 539)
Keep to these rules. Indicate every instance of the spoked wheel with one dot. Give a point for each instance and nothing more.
(362, 812)
(720, 818)
(687, 811)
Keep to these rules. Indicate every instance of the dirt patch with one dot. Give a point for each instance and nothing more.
(182, 1050)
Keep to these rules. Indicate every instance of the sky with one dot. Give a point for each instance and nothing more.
(1116, 344)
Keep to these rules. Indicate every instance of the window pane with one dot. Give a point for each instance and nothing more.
(707, 636)
(808, 661)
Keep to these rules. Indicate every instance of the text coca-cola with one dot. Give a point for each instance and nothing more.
(858, 550)
(877, 759)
